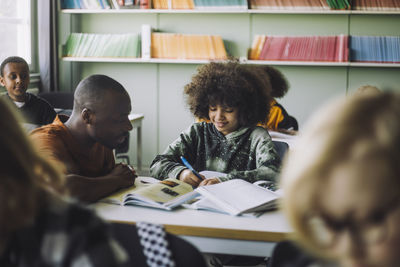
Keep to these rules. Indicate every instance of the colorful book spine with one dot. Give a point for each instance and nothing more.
(300, 48)
(376, 5)
(187, 46)
(380, 49)
(102, 45)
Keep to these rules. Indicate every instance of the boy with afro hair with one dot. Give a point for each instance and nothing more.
(234, 98)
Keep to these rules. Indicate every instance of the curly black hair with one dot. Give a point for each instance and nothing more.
(230, 84)
(279, 84)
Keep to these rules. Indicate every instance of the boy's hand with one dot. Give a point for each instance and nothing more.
(188, 176)
(209, 181)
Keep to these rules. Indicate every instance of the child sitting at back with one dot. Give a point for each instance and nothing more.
(278, 119)
(14, 76)
(234, 98)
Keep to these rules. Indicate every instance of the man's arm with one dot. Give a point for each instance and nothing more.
(86, 189)
(90, 189)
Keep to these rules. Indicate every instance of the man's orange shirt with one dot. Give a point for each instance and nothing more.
(55, 142)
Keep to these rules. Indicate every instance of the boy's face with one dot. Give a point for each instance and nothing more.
(225, 119)
(362, 215)
(16, 80)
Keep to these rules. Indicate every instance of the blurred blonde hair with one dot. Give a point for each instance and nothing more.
(368, 89)
(25, 177)
(362, 128)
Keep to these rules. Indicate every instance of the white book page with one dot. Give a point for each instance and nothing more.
(237, 196)
(212, 174)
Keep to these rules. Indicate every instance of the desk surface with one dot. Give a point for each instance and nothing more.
(270, 227)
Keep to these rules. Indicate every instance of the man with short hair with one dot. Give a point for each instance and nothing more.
(83, 143)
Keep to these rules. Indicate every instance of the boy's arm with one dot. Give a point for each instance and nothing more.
(169, 164)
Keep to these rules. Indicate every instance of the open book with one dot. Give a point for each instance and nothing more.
(235, 197)
(147, 191)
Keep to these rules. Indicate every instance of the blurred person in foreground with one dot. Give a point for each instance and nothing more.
(342, 182)
(38, 227)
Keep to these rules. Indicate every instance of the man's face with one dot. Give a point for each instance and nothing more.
(16, 80)
(110, 126)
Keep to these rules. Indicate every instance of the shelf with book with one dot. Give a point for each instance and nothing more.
(136, 60)
(151, 11)
(321, 64)
(227, 11)
(255, 62)
(156, 84)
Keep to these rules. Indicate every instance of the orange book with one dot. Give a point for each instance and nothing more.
(155, 45)
(256, 47)
(181, 46)
(172, 46)
(164, 45)
(194, 46)
(220, 51)
(182, 4)
(209, 47)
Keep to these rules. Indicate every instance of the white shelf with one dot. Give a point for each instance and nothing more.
(380, 65)
(298, 63)
(256, 62)
(228, 11)
(137, 60)
(154, 11)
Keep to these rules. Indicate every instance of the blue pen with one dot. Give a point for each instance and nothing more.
(187, 164)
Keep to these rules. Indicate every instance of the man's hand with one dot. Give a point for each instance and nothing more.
(126, 173)
(188, 176)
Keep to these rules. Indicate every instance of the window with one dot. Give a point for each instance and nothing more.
(16, 29)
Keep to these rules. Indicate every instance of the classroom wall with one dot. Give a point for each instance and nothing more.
(156, 89)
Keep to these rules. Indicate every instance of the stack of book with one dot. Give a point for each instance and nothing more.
(85, 4)
(199, 4)
(221, 4)
(289, 5)
(376, 5)
(187, 46)
(300, 4)
(102, 45)
(300, 48)
(375, 49)
(105, 4)
(172, 4)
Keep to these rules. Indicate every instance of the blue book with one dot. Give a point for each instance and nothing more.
(69, 4)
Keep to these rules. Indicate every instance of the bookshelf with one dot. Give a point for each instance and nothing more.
(219, 11)
(156, 85)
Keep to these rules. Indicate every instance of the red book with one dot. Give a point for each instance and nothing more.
(144, 4)
(276, 48)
